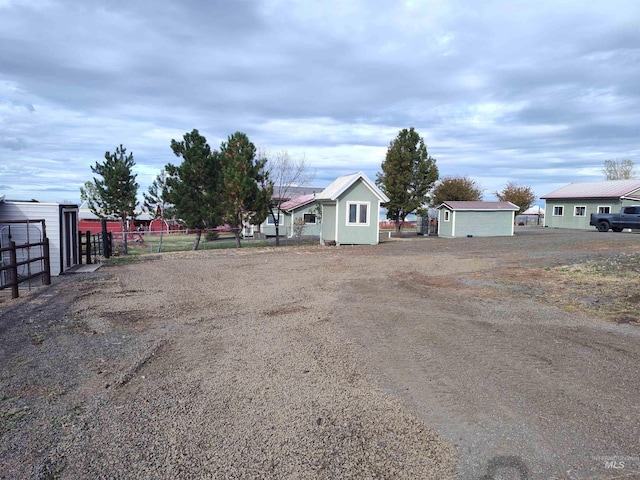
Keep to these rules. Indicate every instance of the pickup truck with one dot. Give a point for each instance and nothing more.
(629, 217)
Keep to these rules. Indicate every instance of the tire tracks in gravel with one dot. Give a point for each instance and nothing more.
(254, 385)
(507, 380)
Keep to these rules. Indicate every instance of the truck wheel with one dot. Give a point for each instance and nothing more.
(603, 226)
(617, 229)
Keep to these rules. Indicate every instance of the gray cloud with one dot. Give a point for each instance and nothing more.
(537, 93)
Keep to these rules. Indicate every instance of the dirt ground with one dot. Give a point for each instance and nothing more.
(473, 358)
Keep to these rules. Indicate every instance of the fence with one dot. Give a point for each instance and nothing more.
(93, 245)
(9, 269)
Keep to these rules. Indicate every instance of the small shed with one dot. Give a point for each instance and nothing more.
(476, 219)
(351, 211)
(61, 224)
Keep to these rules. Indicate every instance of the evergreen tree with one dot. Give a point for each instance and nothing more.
(408, 173)
(241, 198)
(461, 189)
(192, 186)
(115, 194)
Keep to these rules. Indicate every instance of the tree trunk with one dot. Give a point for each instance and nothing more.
(277, 235)
(196, 242)
(399, 228)
(160, 242)
(236, 233)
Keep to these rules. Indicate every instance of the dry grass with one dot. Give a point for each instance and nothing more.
(608, 287)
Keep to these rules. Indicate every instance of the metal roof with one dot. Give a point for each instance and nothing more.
(506, 206)
(605, 189)
(289, 192)
(341, 184)
(298, 202)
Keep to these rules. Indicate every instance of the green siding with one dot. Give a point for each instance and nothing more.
(445, 228)
(569, 219)
(477, 223)
(358, 234)
(269, 229)
(483, 223)
(328, 222)
(310, 228)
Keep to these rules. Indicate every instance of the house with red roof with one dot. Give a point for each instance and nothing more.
(572, 205)
(301, 206)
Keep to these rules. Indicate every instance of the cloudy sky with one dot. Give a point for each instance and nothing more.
(537, 92)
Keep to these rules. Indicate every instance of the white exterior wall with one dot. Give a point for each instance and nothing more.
(51, 213)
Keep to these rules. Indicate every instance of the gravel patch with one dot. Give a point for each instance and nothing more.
(416, 358)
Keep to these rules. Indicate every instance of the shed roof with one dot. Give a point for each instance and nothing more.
(605, 189)
(477, 206)
(341, 184)
(298, 202)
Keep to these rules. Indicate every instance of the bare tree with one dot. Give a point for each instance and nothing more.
(156, 201)
(619, 169)
(283, 175)
(298, 229)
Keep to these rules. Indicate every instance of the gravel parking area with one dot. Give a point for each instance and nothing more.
(417, 358)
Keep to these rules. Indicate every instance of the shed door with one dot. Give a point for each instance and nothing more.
(70, 240)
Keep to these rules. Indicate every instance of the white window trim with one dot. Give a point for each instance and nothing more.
(357, 223)
(446, 216)
(554, 214)
(280, 220)
(603, 207)
(575, 211)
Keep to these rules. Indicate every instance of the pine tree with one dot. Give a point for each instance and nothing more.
(115, 194)
(192, 186)
(408, 173)
(241, 198)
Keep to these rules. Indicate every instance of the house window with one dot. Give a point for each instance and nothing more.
(558, 211)
(271, 220)
(580, 211)
(358, 213)
(309, 218)
(604, 209)
(446, 215)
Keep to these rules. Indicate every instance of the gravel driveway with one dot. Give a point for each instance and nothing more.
(416, 358)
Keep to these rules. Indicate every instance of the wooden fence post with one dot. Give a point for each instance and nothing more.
(13, 269)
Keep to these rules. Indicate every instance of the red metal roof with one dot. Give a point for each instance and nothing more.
(605, 189)
(456, 205)
(297, 202)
